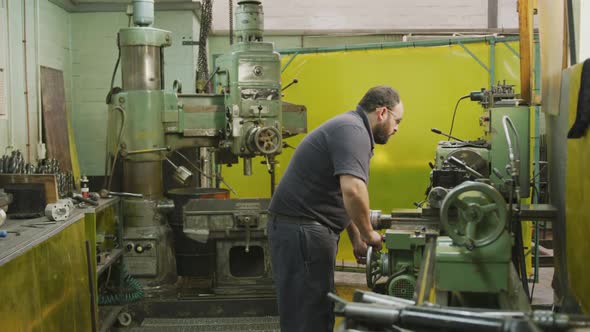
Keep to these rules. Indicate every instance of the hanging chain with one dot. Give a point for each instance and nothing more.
(231, 22)
(202, 64)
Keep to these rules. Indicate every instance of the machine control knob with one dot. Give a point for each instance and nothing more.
(129, 246)
(139, 249)
(148, 246)
(265, 140)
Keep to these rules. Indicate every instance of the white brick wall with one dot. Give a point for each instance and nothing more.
(369, 15)
(583, 37)
(507, 15)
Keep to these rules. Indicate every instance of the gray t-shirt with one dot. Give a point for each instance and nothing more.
(310, 187)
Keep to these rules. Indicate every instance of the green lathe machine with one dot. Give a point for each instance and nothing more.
(464, 245)
(155, 133)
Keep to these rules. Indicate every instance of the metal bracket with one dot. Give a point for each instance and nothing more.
(515, 52)
(289, 62)
(474, 57)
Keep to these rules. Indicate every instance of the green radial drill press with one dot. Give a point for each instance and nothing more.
(244, 118)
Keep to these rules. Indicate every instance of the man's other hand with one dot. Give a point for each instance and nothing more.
(359, 249)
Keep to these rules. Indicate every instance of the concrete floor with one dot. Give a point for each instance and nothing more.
(543, 293)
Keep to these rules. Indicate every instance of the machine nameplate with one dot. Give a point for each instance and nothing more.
(142, 266)
(200, 132)
(248, 206)
(202, 108)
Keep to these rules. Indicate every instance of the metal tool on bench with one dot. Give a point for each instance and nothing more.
(60, 210)
(4, 233)
(106, 194)
(5, 200)
(83, 199)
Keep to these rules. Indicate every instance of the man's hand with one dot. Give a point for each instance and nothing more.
(375, 240)
(359, 249)
(356, 202)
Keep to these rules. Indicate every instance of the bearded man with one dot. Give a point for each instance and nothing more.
(323, 192)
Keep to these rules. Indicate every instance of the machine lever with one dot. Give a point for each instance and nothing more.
(294, 81)
(437, 131)
(212, 75)
(497, 173)
(461, 163)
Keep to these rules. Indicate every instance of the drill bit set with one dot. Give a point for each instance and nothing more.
(14, 163)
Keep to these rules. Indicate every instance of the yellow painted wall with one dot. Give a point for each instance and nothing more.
(429, 80)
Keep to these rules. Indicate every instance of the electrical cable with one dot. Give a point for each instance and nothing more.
(108, 101)
(123, 119)
(134, 291)
(514, 157)
(513, 154)
(114, 72)
(455, 113)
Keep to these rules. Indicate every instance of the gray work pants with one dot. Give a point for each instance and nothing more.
(303, 256)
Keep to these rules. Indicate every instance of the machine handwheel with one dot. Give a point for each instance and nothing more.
(480, 214)
(373, 268)
(267, 140)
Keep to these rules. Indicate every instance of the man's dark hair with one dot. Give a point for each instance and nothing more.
(379, 96)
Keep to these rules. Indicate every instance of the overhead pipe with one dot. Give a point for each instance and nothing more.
(402, 44)
(41, 151)
(10, 113)
(26, 74)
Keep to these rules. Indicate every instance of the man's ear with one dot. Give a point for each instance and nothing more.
(382, 113)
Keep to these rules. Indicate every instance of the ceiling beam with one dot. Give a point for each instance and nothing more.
(86, 7)
(372, 32)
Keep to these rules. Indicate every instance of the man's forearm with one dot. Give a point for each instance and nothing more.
(353, 233)
(356, 203)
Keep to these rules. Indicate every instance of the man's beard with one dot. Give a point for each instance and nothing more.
(380, 134)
